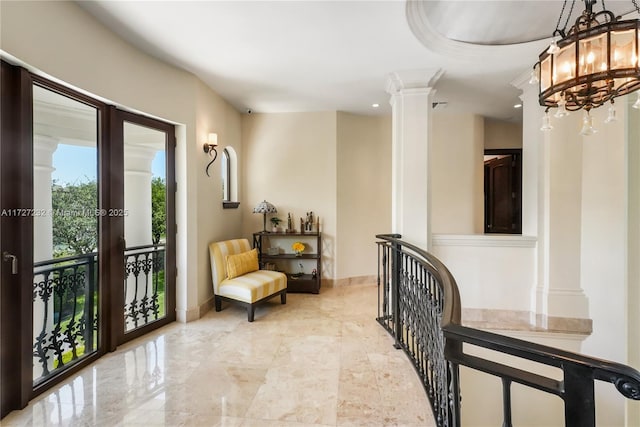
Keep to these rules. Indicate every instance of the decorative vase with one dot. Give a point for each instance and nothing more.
(298, 253)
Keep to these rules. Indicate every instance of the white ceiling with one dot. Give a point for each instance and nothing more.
(276, 56)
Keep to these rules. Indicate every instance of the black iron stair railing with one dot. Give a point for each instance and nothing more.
(419, 305)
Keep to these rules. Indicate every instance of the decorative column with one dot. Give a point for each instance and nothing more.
(551, 211)
(411, 96)
(137, 194)
(531, 137)
(43, 149)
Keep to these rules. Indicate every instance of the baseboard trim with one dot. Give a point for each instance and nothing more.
(206, 306)
(350, 281)
(189, 315)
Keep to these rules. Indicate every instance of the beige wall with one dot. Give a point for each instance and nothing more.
(334, 164)
(457, 174)
(500, 134)
(633, 247)
(64, 42)
(290, 161)
(364, 191)
(213, 114)
(604, 249)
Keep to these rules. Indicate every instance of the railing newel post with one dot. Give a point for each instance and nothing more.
(396, 272)
(579, 397)
(506, 403)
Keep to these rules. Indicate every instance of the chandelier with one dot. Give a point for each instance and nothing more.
(592, 63)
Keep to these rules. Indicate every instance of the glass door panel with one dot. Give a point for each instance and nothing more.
(65, 224)
(145, 225)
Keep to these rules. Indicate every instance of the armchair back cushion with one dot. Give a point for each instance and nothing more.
(243, 263)
(218, 252)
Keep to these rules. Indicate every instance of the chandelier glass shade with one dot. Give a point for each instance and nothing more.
(593, 63)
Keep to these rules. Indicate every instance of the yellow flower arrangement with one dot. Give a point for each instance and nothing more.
(298, 247)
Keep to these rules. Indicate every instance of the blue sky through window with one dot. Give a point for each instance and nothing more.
(76, 164)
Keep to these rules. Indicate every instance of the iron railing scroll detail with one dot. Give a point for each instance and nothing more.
(419, 305)
(65, 302)
(144, 285)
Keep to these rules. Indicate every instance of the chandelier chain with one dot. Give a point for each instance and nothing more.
(564, 4)
(566, 22)
(558, 30)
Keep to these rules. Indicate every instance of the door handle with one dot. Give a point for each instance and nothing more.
(6, 256)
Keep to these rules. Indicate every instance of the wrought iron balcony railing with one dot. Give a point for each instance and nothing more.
(144, 285)
(419, 305)
(65, 304)
(65, 314)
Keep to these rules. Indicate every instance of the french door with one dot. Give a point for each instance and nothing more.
(87, 231)
(148, 238)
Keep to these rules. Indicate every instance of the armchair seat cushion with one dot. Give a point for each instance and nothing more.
(254, 286)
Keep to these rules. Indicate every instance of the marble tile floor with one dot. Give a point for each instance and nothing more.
(319, 360)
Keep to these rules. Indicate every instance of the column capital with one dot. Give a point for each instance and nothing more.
(43, 149)
(138, 158)
(399, 81)
(44, 142)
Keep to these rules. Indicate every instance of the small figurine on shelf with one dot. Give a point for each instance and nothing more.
(314, 273)
(308, 223)
(290, 224)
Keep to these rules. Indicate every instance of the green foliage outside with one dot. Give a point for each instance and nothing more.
(75, 218)
(75, 223)
(158, 209)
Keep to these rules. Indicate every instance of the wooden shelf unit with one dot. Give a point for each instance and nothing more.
(304, 283)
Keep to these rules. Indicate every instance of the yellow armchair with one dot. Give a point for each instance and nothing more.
(237, 278)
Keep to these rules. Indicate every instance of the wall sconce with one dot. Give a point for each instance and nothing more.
(209, 146)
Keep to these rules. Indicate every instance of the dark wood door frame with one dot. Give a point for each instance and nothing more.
(516, 156)
(16, 231)
(104, 336)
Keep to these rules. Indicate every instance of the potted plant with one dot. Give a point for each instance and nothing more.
(275, 221)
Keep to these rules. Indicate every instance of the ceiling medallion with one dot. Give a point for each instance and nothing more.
(589, 65)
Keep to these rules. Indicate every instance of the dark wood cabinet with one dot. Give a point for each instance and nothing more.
(274, 251)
